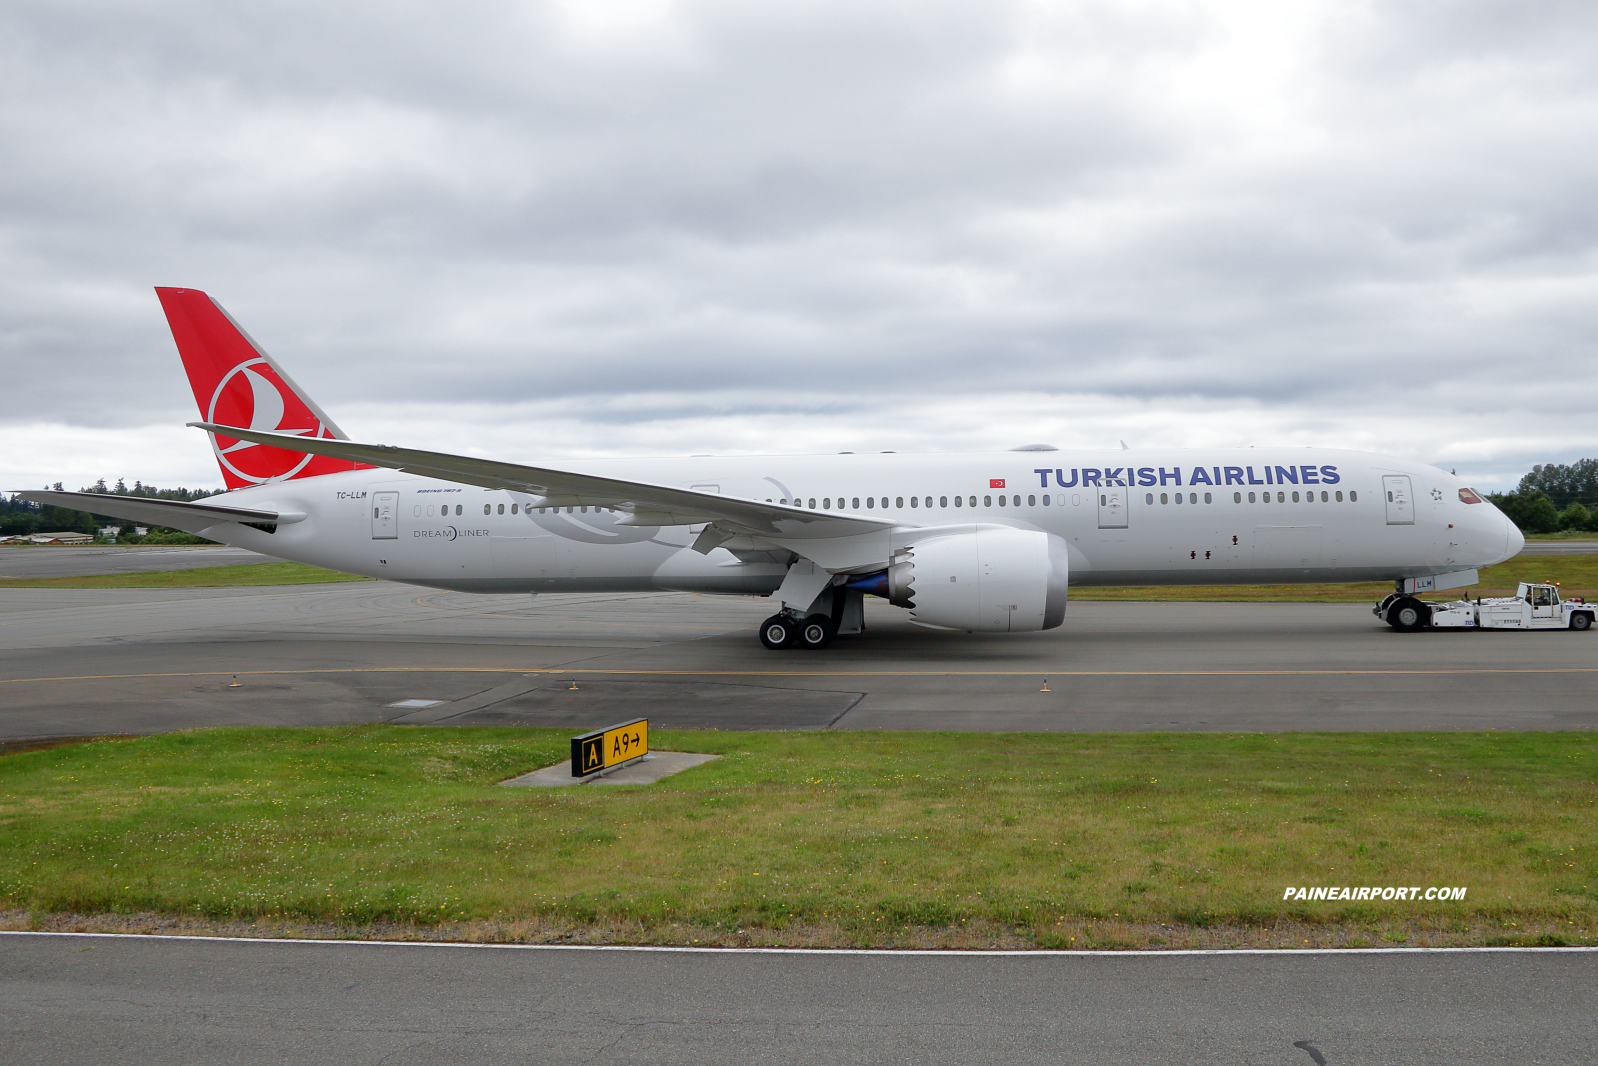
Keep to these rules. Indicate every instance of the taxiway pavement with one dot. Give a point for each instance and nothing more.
(94, 662)
(72, 999)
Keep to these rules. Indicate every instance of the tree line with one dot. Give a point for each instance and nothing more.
(1554, 497)
(19, 517)
(1550, 498)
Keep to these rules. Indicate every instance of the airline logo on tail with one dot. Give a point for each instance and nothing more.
(252, 395)
(235, 383)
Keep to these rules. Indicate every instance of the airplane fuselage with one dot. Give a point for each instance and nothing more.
(1138, 517)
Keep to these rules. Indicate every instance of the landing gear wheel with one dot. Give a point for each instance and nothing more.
(778, 632)
(817, 632)
(1580, 620)
(1408, 615)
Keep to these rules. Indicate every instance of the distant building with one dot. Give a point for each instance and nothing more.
(61, 538)
(139, 531)
(109, 532)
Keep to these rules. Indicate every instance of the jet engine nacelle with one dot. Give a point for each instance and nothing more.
(990, 581)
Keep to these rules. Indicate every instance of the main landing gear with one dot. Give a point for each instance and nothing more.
(784, 631)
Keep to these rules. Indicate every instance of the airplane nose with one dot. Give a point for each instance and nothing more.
(1514, 539)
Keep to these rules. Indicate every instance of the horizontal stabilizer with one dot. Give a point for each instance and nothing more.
(663, 504)
(176, 514)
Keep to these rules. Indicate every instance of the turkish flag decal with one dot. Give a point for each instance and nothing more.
(995, 483)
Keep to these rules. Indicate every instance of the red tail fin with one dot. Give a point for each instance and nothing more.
(237, 384)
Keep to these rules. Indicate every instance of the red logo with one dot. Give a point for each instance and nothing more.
(251, 394)
(995, 483)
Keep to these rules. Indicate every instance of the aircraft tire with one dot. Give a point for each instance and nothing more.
(816, 632)
(1408, 615)
(779, 632)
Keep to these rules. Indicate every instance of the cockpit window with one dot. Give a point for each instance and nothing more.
(1468, 496)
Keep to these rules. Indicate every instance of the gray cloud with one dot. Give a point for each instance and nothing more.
(1369, 220)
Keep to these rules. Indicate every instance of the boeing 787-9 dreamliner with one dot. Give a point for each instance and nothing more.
(980, 541)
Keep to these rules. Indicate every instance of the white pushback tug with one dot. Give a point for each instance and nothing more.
(1533, 606)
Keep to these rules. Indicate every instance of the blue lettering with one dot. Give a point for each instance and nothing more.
(1090, 477)
(1285, 474)
(1059, 479)
(1045, 475)
(1252, 480)
(1145, 475)
(1309, 475)
(1268, 480)
(1234, 475)
(1217, 475)
(1329, 475)
(1175, 474)
(1200, 477)
(1113, 477)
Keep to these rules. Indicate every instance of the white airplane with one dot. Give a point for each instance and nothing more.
(981, 542)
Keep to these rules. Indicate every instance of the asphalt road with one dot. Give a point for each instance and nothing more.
(71, 561)
(66, 1000)
(86, 662)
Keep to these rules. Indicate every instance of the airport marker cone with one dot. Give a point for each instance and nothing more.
(1045, 687)
(574, 685)
(235, 683)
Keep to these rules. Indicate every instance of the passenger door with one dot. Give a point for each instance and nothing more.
(385, 516)
(1112, 507)
(1400, 503)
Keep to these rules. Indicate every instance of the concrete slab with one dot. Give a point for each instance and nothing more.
(646, 771)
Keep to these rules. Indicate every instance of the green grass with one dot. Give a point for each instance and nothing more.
(1578, 574)
(204, 577)
(939, 839)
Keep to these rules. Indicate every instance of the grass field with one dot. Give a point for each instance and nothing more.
(203, 577)
(1578, 574)
(922, 839)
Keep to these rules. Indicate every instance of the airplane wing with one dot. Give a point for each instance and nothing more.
(189, 517)
(653, 505)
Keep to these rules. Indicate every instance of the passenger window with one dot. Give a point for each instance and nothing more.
(826, 504)
(1251, 497)
(1207, 498)
(1192, 497)
(1165, 498)
(1353, 497)
(1389, 495)
(1018, 500)
(914, 501)
(430, 510)
(1339, 495)
(869, 501)
(502, 509)
(1179, 499)
(1045, 499)
(1031, 501)
(514, 506)
(1103, 500)
(418, 510)
(1237, 497)
(1281, 497)
(1003, 500)
(958, 500)
(812, 503)
(856, 504)
(973, 501)
(943, 501)
(987, 501)
(1295, 497)
(1324, 497)
(898, 501)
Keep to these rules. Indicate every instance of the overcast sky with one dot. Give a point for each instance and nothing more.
(616, 228)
